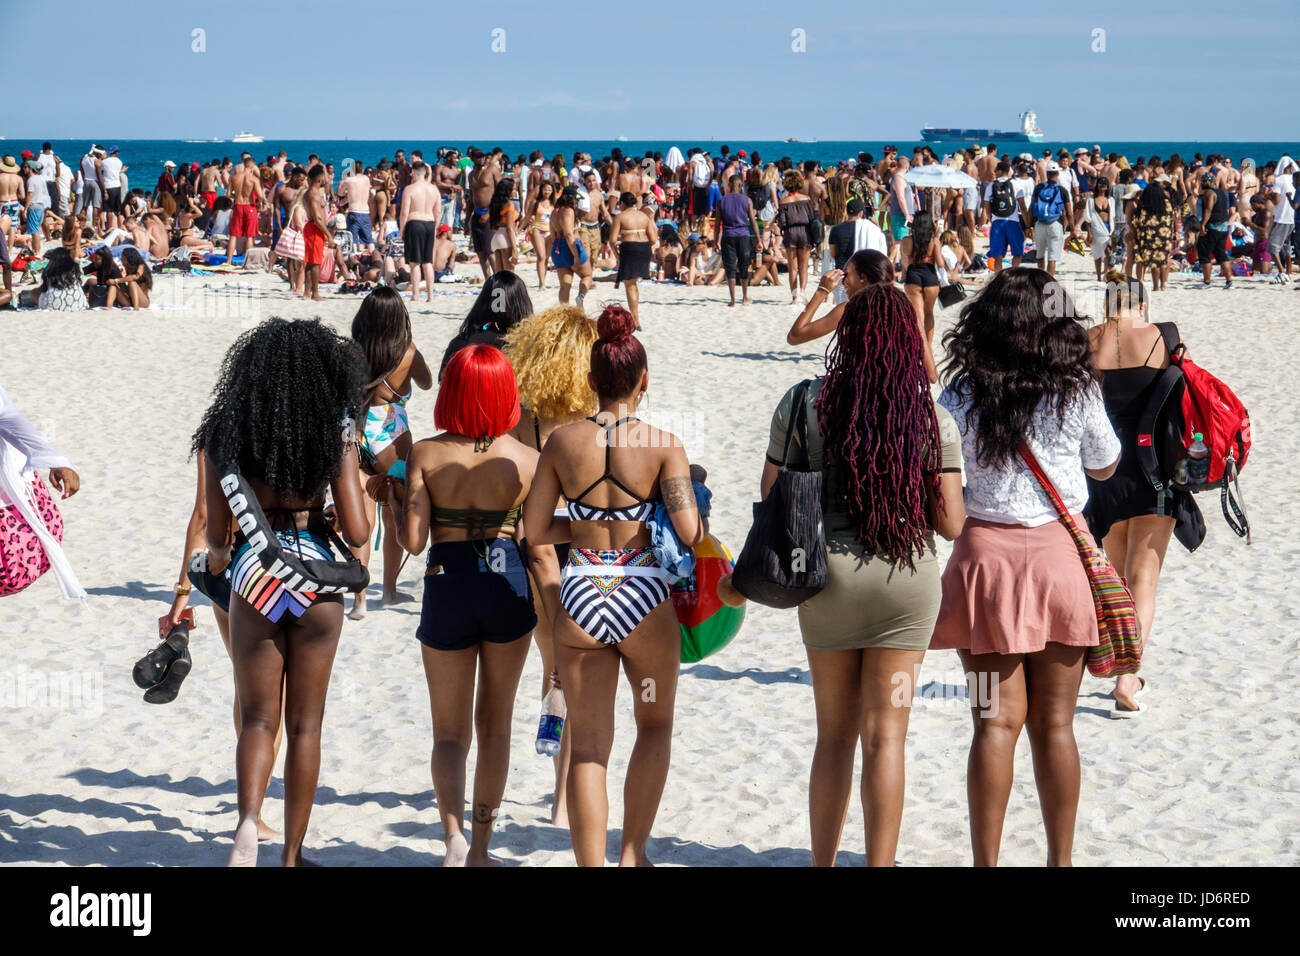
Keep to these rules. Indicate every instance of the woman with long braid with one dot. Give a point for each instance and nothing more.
(892, 466)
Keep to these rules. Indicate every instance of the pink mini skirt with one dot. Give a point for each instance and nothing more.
(1009, 589)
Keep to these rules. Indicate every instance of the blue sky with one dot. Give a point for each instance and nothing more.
(665, 70)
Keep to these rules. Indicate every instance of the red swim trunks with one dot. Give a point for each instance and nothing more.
(208, 199)
(313, 242)
(243, 221)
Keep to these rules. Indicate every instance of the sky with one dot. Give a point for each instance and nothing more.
(761, 69)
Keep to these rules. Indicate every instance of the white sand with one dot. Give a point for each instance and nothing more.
(1209, 776)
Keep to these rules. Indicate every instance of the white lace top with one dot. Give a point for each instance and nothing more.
(1010, 494)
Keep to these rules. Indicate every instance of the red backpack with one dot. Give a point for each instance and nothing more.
(1209, 407)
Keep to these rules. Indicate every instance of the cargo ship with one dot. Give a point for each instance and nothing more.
(1028, 133)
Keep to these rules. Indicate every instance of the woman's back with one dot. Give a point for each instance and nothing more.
(609, 472)
(459, 475)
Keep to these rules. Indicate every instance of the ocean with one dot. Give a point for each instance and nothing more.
(145, 157)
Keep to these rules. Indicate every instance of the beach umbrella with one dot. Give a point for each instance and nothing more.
(938, 177)
(674, 159)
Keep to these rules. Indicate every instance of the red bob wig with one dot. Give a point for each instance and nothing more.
(478, 397)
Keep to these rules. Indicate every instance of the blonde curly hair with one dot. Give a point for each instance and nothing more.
(551, 353)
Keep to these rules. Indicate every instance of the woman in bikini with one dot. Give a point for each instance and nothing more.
(612, 469)
(540, 204)
(382, 328)
(383, 186)
(135, 283)
(504, 217)
(465, 488)
(551, 353)
(283, 413)
(921, 250)
(632, 236)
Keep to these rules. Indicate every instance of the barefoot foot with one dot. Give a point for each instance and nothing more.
(265, 832)
(457, 851)
(244, 852)
(397, 597)
(358, 611)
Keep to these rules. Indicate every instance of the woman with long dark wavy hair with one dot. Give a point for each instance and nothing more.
(382, 329)
(892, 466)
(1016, 601)
(284, 412)
(501, 304)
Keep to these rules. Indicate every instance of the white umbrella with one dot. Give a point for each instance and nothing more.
(674, 159)
(936, 176)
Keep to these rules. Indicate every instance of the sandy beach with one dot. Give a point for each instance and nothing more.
(91, 775)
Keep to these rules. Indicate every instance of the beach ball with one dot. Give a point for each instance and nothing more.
(707, 624)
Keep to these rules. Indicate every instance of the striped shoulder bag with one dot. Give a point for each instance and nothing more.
(1119, 651)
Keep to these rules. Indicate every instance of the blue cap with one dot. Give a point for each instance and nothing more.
(112, 149)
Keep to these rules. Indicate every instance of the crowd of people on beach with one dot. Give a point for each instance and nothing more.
(695, 219)
(548, 511)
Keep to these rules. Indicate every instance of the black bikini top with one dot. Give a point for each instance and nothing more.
(579, 511)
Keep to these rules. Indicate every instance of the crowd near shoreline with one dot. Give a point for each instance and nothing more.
(549, 512)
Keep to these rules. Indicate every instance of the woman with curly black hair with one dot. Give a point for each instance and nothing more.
(284, 414)
(1017, 605)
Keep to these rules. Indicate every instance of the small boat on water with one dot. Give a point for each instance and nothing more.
(1028, 133)
(214, 139)
(244, 136)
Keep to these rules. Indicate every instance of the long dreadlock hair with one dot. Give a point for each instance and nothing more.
(279, 405)
(878, 424)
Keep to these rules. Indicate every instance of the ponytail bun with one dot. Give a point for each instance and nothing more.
(614, 324)
(617, 358)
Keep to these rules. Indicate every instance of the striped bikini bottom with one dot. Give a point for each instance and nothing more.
(608, 593)
(266, 593)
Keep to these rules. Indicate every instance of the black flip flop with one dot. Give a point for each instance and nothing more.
(152, 668)
(165, 691)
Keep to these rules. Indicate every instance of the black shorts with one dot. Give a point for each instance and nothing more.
(470, 598)
(113, 199)
(922, 274)
(1212, 245)
(480, 234)
(699, 200)
(736, 254)
(417, 241)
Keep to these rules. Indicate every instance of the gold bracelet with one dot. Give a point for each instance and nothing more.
(182, 589)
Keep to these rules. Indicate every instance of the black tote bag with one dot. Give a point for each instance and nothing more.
(783, 562)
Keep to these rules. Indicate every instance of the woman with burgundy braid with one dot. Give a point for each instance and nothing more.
(891, 462)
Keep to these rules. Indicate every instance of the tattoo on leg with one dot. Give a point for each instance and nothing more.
(484, 814)
(677, 493)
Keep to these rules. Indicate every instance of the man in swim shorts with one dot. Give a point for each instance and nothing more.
(482, 180)
(315, 233)
(247, 194)
(207, 184)
(902, 204)
(12, 192)
(591, 212)
(419, 217)
(354, 192)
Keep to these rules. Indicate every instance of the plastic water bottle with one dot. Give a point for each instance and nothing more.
(1198, 461)
(551, 726)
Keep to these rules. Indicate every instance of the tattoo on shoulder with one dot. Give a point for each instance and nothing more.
(677, 493)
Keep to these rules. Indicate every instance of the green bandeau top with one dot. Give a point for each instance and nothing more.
(474, 520)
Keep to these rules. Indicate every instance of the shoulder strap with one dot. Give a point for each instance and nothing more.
(1173, 340)
(798, 420)
(1046, 483)
(1169, 381)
